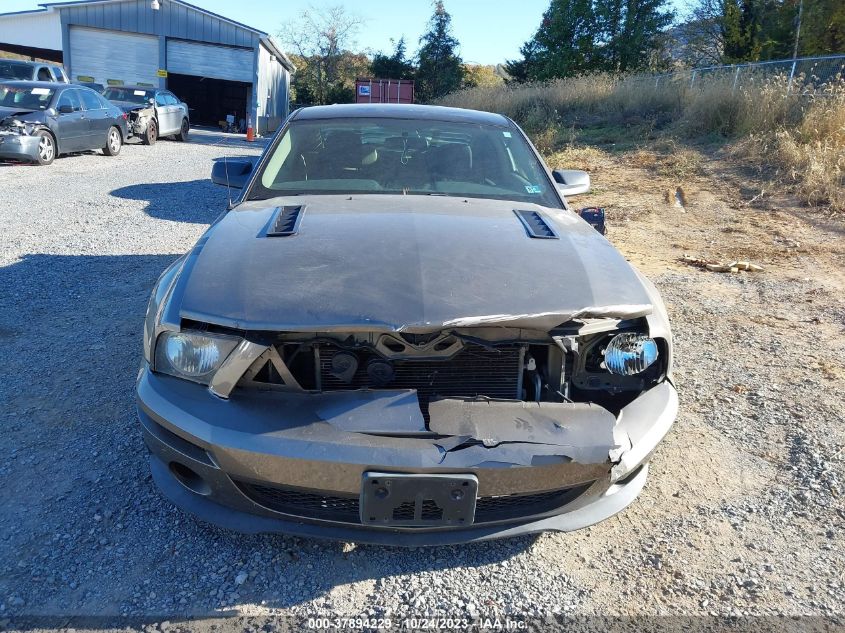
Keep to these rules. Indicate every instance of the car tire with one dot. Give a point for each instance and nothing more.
(184, 131)
(151, 133)
(46, 147)
(114, 141)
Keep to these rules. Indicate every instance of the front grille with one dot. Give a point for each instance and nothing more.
(303, 503)
(344, 509)
(474, 371)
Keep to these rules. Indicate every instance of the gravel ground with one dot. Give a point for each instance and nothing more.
(742, 515)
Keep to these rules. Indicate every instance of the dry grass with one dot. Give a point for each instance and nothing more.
(798, 139)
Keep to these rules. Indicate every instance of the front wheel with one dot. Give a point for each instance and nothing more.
(184, 131)
(114, 142)
(151, 134)
(46, 147)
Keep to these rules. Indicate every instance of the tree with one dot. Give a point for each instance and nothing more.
(565, 43)
(476, 75)
(395, 66)
(631, 32)
(823, 28)
(699, 38)
(522, 70)
(439, 69)
(578, 36)
(322, 39)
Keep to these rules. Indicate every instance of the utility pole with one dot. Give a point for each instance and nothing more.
(798, 28)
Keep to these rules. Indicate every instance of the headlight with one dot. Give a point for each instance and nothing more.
(192, 356)
(628, 354)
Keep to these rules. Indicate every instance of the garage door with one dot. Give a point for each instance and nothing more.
(208, 60)
(105, 55)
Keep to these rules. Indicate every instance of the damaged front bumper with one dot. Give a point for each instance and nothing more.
(273, 462)
(17, 146)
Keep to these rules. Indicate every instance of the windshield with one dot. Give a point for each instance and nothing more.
(25, 98)
(13, 70)
(369, 155)
(131, 95)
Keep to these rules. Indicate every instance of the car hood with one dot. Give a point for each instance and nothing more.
(128, 106)
(30, 115)
(395, 263)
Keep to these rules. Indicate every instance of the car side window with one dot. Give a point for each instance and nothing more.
(44, 74)
(58, 74)
(170, 99)
(90, 100)
(71, 98)
(161, 100)
(104, 103)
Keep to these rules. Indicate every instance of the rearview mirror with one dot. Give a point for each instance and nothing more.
(232, 172)
(65, 109)
(571, 182)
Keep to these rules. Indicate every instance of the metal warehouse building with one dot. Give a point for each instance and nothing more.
(218, 66)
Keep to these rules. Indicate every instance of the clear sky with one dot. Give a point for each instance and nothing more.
(490, 31)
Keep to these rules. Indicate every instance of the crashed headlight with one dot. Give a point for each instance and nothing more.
(192, 356)
(628, 354)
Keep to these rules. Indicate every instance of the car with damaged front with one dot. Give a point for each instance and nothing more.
(401, 333)
(151, 112)
(42, 120)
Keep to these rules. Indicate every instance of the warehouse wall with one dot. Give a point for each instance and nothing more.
(272, 92)
(34, 29)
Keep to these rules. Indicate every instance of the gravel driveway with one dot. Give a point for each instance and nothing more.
(743, 513)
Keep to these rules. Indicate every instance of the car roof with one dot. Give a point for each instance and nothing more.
(154, 89)
(400, 111)
(53, 85)
(27, 62)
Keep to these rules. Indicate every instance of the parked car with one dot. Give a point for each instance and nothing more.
(22, 70)
(39, 121)
(153, 113)
(402, 333)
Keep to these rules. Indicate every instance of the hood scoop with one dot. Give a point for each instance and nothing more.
(285, 221)
(536, 225)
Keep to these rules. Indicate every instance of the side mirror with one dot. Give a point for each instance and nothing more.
(571, 182)
(233, 172)
(66, 109)
(50, 112)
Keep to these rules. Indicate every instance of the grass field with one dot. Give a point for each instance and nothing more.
(796, 141)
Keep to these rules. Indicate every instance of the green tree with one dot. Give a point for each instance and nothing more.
(577, 36)
(636, 34)
(439, 69)
(521, 70)
(395, 66)
(565, 43)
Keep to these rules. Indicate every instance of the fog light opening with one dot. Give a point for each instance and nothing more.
(188, 478)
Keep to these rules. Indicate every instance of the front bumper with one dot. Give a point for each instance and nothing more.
(19, 147)
(210, 456)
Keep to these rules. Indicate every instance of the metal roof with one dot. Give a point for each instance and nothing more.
(265, 38)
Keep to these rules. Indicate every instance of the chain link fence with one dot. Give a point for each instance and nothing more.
(816, 75)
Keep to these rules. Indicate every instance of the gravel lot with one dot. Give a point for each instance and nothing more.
(743, 513)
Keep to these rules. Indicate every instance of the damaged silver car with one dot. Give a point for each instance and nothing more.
(151, 113)
(401, 333)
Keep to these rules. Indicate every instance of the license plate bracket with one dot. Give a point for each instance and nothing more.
(418, 500)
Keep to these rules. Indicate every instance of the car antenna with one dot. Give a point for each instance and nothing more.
(228, 188)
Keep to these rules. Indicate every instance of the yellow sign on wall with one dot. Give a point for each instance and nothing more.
(162, 72)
